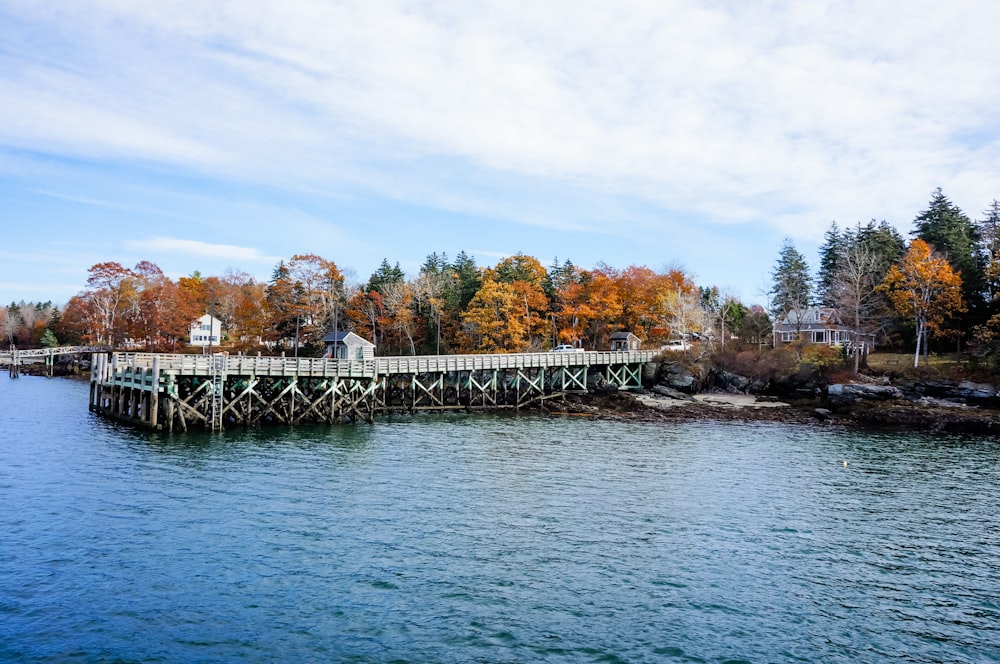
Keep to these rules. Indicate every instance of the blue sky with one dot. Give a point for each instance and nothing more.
(229, 135)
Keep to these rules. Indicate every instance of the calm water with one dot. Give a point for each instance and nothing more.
(490, 539)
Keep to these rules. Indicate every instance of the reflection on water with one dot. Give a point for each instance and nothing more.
(490, 539)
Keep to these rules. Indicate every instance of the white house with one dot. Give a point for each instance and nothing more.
(348, 346)
(206, 331)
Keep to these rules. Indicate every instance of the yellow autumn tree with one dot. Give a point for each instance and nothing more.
(494, 319)
(525, 276)
(924, 288)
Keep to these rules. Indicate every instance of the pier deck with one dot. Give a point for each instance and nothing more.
(178, 392)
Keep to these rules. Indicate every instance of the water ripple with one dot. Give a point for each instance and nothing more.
(490, 539)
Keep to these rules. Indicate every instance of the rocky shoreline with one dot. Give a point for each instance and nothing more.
(676, 394)
(896, 415)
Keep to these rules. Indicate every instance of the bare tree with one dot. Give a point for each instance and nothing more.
(853, 289)
(397, 298)
(684, 314)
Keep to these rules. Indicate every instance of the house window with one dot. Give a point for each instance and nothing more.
(787, 337)
(819, 336)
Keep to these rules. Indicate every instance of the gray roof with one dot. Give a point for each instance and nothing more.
(341, 337)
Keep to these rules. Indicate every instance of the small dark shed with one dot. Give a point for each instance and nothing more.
(624, 341)
(348, 346)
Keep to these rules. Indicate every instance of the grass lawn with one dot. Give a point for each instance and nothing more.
(942, 365)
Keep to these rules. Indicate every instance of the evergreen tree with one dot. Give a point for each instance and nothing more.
(435, 264)
(49, 339)
(385, 276)
(884, 241)
(791, 283)
(558, 277)
(830, 253)
(468, 281)
(951, 233)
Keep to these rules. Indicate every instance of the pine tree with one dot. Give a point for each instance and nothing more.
(791, 283)
(468, 281)
(830, 254)
(384, 276)
(882, 240)
(951, 233)
(49, 339)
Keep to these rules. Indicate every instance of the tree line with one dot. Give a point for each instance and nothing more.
(449, 306)
(941, 287)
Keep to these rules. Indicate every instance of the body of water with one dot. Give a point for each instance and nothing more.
(490, 539)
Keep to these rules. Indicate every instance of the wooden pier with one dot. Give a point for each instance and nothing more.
(14, 358)
(212, 392)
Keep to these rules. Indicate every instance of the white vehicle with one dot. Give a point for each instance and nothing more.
(566, 348)
(676, 345)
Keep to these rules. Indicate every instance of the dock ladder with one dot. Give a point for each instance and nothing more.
(218, 383)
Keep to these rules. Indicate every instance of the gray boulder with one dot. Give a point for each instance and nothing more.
(732, 382)
(675, 375)
(855, 391)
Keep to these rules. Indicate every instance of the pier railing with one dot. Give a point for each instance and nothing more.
(13, 357)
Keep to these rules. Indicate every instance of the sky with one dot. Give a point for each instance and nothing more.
(216, 136)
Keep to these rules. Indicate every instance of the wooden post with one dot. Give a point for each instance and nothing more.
(154, 394)
(112, 380)
(94, 365)
(170, 402)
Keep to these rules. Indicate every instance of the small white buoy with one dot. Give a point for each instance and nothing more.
(845, 464)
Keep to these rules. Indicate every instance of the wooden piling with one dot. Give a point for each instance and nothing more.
(154, 395)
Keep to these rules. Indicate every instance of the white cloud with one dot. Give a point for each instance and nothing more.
(786, 114)
(198, 248)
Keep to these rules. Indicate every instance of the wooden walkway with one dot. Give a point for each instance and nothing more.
(13, 358)
(179, 392)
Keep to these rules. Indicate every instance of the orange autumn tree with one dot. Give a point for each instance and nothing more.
(525, 277)
(494, 320)
(150, 305)
(588, 302)
(923, 287)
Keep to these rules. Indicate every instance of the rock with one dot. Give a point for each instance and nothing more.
(970, 390)
(675, 375)
(732, 382)
(822, 414)
(665, 391)
(854, 391)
